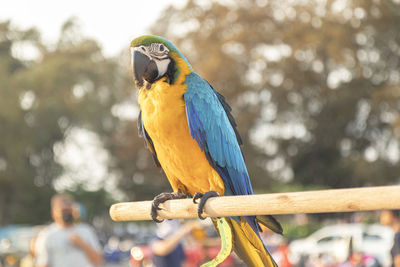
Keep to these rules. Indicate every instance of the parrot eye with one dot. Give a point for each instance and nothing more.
(158, 50)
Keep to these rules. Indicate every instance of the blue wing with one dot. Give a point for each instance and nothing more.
(213, 127)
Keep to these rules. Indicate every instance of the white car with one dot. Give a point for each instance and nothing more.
(336, 240)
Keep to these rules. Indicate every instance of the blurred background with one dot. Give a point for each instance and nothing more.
(314, 87)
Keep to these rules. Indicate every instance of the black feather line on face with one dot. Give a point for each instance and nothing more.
(171, 71)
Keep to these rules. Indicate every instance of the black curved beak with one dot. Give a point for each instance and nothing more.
(144, 69)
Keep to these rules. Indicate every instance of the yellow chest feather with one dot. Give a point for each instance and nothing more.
(164, 118)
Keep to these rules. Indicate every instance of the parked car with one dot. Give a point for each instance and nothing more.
(337, 241)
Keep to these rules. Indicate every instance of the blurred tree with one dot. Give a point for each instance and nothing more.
(46, 93)
(314, 85)
(17, 193)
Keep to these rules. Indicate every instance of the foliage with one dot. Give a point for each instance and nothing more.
(38, 104)
(47, 92)
(295, 231)
(313, 84)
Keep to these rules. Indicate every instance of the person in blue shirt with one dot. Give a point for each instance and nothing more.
(167, 246)
(65, 243)
(392, 219)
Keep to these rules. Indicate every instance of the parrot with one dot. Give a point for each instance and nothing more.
(193, 138)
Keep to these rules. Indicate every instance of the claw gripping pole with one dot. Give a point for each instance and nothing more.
(333, 200)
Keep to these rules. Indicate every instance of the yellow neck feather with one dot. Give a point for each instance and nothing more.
(183, 68)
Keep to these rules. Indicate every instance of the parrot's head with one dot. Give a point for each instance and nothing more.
(154, 57)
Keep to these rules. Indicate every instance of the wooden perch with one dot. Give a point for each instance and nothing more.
(334, 200)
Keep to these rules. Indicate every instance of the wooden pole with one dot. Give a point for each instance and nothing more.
(334, 200)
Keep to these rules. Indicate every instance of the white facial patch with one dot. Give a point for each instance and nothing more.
(162, 66)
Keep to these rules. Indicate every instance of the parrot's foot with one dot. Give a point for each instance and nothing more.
(161, 198)
(203, 199)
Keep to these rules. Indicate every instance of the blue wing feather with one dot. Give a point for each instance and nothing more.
(213, 127)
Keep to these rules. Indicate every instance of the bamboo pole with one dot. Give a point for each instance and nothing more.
(334, 200)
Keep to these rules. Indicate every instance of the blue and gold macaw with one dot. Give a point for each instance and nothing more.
(188, 127)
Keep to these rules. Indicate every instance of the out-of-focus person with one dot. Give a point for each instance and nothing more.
(392, 219)
(29, 259)
(277, 246)
(64, 243)
(360, 259)
(167, 247)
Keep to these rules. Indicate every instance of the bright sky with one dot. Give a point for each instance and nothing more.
(113, 23)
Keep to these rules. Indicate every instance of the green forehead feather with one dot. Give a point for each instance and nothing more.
(147, 40)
